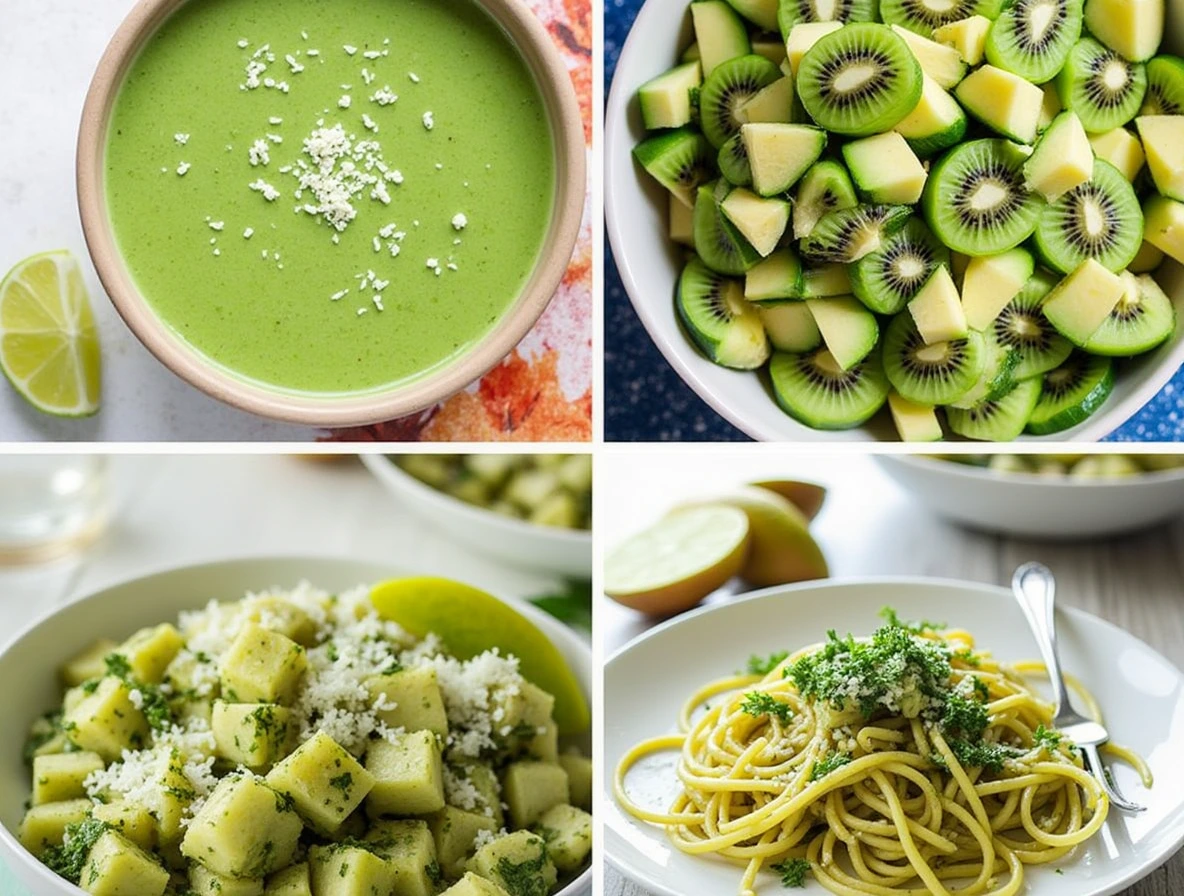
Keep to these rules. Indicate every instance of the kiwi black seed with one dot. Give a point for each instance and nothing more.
(812, 388)
(1104, 89)
(726, 327)
(729, 86)
(1032, 38)
(885, 280)
(1022, 326)
(733, 162)
(931, 374)
(791, 12)
(1099, 219)
(922, 16)
(860, 80)
(1165, 87)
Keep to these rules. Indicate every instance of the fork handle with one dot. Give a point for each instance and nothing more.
(1035, 589)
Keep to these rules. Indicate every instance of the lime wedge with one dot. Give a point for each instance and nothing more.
(679, 560)
(470, 622)
(49, 348)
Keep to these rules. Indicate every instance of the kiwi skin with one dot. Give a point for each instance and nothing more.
(727, 88)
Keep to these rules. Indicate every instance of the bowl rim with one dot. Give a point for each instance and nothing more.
(385, 470)
(534, 45)
(553, 628)
(1112, 415)
(935, 465)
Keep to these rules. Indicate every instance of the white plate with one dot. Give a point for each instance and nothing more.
(32, 659)
(1032, 506)
(1141, 694)
(566, 552)
(635, 212)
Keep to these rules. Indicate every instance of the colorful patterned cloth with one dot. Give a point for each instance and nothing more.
(543, 390)
(645, 400)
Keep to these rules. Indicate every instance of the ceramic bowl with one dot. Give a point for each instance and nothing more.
(566, 552)
(1032, 506)
(649, 263)
(33, 658)
(536, 48)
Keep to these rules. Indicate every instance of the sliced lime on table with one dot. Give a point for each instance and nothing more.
(470, 621)
(49, 347)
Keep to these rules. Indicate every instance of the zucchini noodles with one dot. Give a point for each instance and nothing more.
(882, 766)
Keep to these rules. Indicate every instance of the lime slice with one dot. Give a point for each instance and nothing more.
(678, 561)
(49, 348)
(470, 622)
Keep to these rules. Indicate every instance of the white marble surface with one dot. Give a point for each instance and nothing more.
(180, 510)
(48, 50)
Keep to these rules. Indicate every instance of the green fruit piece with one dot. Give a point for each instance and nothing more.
(762, 13)
(777, 278)
(470, 622)
(930, 374)
(914, 422)
(1165, 87)
(1071, 393)
(733, 162)
(720, 34)
(998, 376)
(885, 280)
(848, 329)
(825, 187)
(1062, 160)
(1032, 38)
(847, 235)
(997, 420)
(1004, 102)
(679, 160)
(923, 16)
(936, 122)
(940, 63)
(779, 154)
(1022, 327)
(730, 85)
(1105, 90)
(860, 80)
(1143, 319)
(770, 104)
(811, 387)
(885, 169)
(761, 221)
(791, 12)
(992, 281)
(1080, 303)
(790, 327)
(721, 247)
(666, 100)
(714, 312)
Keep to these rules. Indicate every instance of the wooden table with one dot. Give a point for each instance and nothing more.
(871, 527)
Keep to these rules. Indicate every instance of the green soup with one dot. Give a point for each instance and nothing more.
(330, 197)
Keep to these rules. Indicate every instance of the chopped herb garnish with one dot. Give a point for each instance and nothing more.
(69, 859)
(758, 703)
(914, 628)
(524, 878)
(762, 666)
(118, 665)
(343, 783)
(1049, 739)
(825, 766)
(793, 872)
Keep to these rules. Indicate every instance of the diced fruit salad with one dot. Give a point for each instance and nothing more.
(957, 208)
(1072, 466)
(544, 489)
(297, 742)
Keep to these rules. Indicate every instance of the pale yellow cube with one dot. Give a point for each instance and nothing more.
(1163, 144)
(937, 309)
(341, 870)
(990, 282)
(531, 788)
(44, 826)
(324, 781)
(203, 882)
(1132, 28)
(409, 849)
(454, 831)
(294, 880)
(568, 833)
(802, 37)
(1003, 101)
(914, 422)
(1164, 225)
(408, 775)
(1121, 149)
(106, 721)
(262, 666)
(1080, 303)
(150, 650)
(415, 695)
(117, 867)
(59, 777)
(91, 663)
(252, 734)
(1062, 160)
(521, 848)
(245, 829)
(579, 779)
(472, 885)
(279, 615)
(885, 169)
(132, 820)
(967, 36)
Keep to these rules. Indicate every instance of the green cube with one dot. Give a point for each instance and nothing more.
(414, 700)
(44, 826)
(579, 779)
(521, 856)
(176, 794)
(474, 787)
(454, 831)
(279, 615)
(150, 650)
(132, 820)
(245, 829)
(262, 666)
(340, 870)
(203, 882)
(408, 775)
(472, 885)
(324, 780)
(531, 788)
(117, 867)
(292, 881)
(106, 721)
(91, 663)
(568, 832)
(409, 849)
(59, 777)
(253, 734)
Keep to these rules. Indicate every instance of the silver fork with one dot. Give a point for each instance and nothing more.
(1035, 590)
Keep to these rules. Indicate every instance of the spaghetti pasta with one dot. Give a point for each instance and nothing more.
(888, 766)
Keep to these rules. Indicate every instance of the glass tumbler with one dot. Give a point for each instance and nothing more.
(50, 505)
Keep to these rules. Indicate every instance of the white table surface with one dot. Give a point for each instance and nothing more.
(179, 510)
(869, 526)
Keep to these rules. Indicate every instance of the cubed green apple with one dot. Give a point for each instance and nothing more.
(1004, 102)
(937, 309)
(1080, 303)
(885, 169)
(914, 422)
(1063, 158)
(991, 282)
(967, 36)
(1163, 144)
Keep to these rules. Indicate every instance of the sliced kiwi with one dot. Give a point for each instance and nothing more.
(718, 242)
(1143, 318)
(1104, 89)
(922, 16)
(1001, 419)
(729, 86)
(1072, 392)
(825, 187)
(680, 160)
(930, 374)
(998, 375)
(1023, 327)
(790, 12)
(726, 327)
(1099, 219)
(812, 388)
(1032, 38)
(886, 279)
(860, 80)
(849, 234)
(975, 200)
(1165, 87)
(733, 162)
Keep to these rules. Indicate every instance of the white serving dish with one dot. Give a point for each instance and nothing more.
(29, 667)
(566, 552)
(646, 683)
(649, 263)
(1034, 506)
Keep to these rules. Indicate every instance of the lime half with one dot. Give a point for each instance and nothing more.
(49, 348)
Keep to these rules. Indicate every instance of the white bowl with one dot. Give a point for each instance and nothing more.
(29, 665)
(1034, 506)
(566, 552)
(635, 211)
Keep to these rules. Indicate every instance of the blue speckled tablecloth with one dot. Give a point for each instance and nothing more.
(645, 400)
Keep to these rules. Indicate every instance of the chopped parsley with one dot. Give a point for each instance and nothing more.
(154, 705)
(343, 783)
(763, 665)
(118, 665)
(524, 878)
(1047, 738)
(913, 628)
(979, 754)
(69, 859)
(758, 703)
(793, 872)
(824, 767)
(964, 715)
